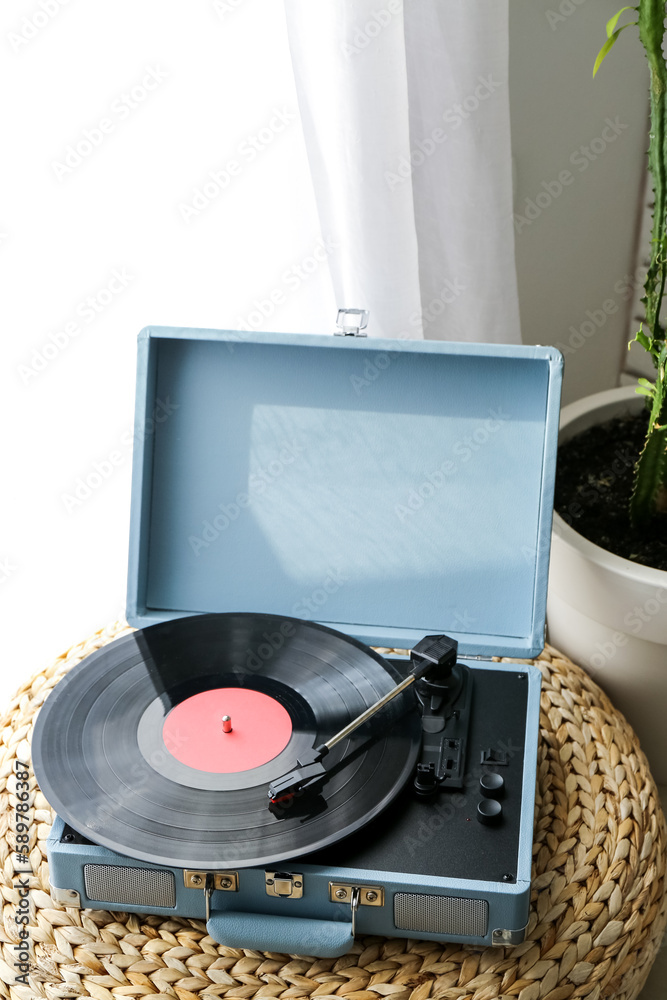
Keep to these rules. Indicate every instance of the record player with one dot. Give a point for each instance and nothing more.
(254, 755)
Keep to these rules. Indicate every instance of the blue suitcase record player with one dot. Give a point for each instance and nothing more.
(257, 755)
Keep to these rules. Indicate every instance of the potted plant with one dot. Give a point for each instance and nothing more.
(607, 604)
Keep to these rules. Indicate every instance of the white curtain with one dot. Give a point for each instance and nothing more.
(405, 113)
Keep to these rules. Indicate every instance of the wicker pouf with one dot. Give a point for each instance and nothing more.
(597, 917)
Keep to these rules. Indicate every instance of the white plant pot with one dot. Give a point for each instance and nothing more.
(608, 614)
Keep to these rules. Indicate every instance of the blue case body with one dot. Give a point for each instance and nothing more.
(387, 489)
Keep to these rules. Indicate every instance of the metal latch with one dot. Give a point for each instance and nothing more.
(369, 895)
(211, 882)
(356, 896)
(225, 881)
(284, 884)
(351, 323)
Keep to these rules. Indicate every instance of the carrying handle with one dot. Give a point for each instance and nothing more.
(292, 935)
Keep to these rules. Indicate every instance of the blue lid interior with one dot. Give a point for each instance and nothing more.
(387, 489)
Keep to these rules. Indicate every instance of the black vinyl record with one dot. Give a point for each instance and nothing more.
(111, 766)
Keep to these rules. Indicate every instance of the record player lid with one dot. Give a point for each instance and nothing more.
(388, 489)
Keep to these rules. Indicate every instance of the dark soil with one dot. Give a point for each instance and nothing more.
(593, 487)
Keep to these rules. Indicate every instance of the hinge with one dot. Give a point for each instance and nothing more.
(501, 936)
(351, 323)
(65, 897)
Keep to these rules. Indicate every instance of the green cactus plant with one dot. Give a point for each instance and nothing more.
(649, 494)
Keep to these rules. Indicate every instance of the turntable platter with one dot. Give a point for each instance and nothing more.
(132, 751)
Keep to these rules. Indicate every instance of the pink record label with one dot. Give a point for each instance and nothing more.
(194, 731)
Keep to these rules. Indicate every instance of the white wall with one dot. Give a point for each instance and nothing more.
(575, 256)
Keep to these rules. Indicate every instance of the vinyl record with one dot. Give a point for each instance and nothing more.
(131, 750)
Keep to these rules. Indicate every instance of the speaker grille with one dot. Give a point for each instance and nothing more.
(134, 886)
(441, 914)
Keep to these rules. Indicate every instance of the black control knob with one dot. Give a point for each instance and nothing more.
(489, 812)
(492, 785)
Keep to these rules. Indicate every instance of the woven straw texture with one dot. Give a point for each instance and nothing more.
(597, 916)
